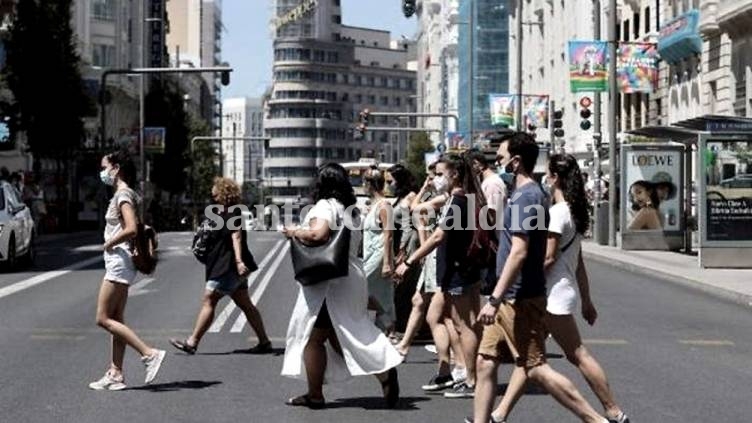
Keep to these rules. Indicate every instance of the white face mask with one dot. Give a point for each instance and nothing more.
(106, 178)
(441, 184)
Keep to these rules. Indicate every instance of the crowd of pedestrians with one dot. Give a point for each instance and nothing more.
(494, 254)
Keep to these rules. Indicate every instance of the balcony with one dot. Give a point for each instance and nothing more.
(735, 15)
(709, 18)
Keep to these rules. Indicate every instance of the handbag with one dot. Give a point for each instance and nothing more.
(315, 264)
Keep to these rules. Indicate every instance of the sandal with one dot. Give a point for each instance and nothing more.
(390, 388)
(183, 346)
(265, 348)
(306, 401)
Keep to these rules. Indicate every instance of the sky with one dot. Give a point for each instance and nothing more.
(247, 42)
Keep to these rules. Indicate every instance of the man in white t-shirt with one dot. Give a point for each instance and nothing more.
(494, 189)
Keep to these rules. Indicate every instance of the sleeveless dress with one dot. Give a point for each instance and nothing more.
(380, 288)
(366, 350)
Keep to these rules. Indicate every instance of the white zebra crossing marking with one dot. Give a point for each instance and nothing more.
(241, 320)
(225, 314)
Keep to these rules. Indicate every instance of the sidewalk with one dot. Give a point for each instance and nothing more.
(729, 284)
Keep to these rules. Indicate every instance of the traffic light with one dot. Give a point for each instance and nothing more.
(362, 126)
(585, 113)
(408, 8)
(225, 78)
(558, 124)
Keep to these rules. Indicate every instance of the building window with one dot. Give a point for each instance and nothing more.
(103, 55)
(358, 98)
(397, 101)
(103, 10)
(384, 101)
(336, 2)
(625, 37)
(647, 20)
(714, 53)
(337, 19)
(371, 99)
(636, 25)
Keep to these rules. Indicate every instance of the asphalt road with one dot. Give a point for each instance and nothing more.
(672, 355)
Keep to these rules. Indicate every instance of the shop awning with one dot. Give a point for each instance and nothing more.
(686, 131)
(680, 38)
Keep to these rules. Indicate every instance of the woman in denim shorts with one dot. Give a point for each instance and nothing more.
(228, 264)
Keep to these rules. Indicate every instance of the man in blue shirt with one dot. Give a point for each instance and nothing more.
(513, 316)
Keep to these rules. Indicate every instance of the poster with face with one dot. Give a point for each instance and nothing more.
(651, 199)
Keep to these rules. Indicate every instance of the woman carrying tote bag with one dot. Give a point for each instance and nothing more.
(330, 336)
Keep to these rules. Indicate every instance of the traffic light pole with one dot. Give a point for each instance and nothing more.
(612, 123)
(598, 134)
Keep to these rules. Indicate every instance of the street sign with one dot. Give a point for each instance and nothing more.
(441, 148)
(154, 140)
(586, 102)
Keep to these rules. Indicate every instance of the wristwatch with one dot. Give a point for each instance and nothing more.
(495, 301)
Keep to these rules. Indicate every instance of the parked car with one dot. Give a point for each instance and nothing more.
(16, 228)
(743, 180)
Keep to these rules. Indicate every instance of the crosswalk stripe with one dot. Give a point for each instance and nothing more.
(241, 320)
(225, 314)
(138, 288)
(47, 276)
(707, 342)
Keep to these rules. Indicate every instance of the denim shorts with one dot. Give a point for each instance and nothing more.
(227, 284)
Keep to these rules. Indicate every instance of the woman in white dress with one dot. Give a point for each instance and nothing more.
(330, 336)
(565, 269)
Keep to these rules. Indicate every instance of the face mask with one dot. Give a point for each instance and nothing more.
(505, 176)
(441, 184)
(509, 167)
(106, 178)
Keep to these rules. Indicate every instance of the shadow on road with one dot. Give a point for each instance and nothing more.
(247, 351)
(176, 386)
(532, 389)
(376, 403)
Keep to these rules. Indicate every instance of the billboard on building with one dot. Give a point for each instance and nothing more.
(501, 107)
(637, 67)
(652, 188)
(535, 110)
(587, 66)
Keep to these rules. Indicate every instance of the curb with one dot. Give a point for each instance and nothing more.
(720, 293)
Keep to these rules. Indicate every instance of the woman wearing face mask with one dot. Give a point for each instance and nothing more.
(459, 282)
(118, 171)
(378, 259)
(228, 264)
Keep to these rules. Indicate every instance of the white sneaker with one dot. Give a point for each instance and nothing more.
(108, 383)
(459, 374)
(153, 363)
(430, 348)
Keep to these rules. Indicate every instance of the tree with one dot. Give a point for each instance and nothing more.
(43, 75)
(202, 167)
(420, 144)
(164, 108)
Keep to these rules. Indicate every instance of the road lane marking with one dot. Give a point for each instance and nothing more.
(605, 341)
(225, 314)
(241, 321)
(707, 342)
(57, 337)
(47, 276)
(138, 288)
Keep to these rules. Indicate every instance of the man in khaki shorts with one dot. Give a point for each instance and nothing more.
(513, 316)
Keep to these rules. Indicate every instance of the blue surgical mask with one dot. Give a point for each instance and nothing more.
(505, 176)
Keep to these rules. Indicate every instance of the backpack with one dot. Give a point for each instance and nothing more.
(144, 248)
(203, 241)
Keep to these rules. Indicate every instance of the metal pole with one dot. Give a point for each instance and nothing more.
(471, 76)
(612, 38)
(518, 106)
(141, 112)
(597, 136)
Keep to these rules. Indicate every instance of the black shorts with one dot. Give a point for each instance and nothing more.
(323, 321)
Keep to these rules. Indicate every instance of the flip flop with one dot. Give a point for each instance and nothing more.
(390, 388)
(306, 401)
(183, 346)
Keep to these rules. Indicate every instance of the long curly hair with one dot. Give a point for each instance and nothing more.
(332, 181)
(228, 191)
(570, 181)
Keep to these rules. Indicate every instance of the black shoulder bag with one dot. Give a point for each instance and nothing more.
(331, 260)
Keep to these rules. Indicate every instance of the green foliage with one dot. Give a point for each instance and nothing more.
(43, 74)
(202, 167)
(164, 108)
(420, 144)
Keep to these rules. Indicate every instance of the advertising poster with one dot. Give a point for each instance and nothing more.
(637, 67)
(535, 108)
(587, 66)
(455, 140)
(653, 184)
(728, 193)
(154, 140)
(502, 109)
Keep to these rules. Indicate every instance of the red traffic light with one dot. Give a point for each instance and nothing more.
(586, 102)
